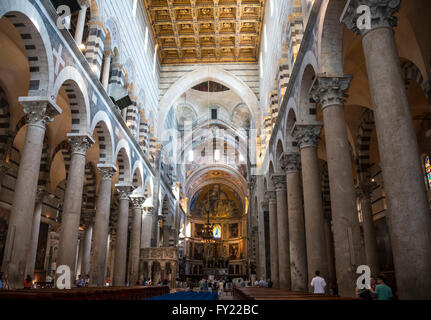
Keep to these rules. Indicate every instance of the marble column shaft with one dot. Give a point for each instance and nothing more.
(121, 237)
(135, 239)
(32, 249)
(408, 208)
(329, 93)
(80, 25)
(106, 69)
(279, 181)
(364, 191)
(101, 227)
(88, 233)
(273, 231)
(39, 112)
(307, 137)
(298, 252)
(72, 203)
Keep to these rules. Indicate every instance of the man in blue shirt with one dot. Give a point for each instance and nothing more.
(383, 291)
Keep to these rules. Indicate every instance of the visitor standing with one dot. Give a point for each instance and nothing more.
(318, 283)
(28, 282)
(383, 291)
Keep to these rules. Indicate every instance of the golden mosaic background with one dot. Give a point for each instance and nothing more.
(205, 31)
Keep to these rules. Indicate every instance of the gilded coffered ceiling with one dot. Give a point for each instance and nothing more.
(205, 31)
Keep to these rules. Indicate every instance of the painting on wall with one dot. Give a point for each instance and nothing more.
(233, 230)
(233, 251)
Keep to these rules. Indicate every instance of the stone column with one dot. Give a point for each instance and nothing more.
(165, 229)
(279, 181)
(307, 136)
(291, 163)
(364, 191)
(80, 25)
(146, 228)
(330, 92)
(135, 238)
(106, 68)
(101, 225)
(73, 202)
(86, 249)
(408, 208)
(273, 231)
(40, 111)
(121, 233)
(32, 249)
(262, 241)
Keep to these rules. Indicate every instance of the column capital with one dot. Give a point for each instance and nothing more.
(279, 181)
(290, 162)
(381, 14)
(40, 110)
(365, 189)
(124, 191)
(41, 193)
(106, 170)
(108, 53)
(84, 4)
(307, 135)
(270, 197)
(328, 91)
(80, 143)
(150, 210)
(137, 201)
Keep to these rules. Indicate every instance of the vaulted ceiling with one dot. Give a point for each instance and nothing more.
(205, 31)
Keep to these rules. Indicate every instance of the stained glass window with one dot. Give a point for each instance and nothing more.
(428, 171)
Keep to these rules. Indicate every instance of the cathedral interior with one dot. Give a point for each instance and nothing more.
(175, 140)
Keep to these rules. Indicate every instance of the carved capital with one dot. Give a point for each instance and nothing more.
(362, 16)
(39, 110)
(330, 91)
(41, 193)
(307, 135)
(80, 144)
(137, 201)
(265, 205)
(124, 191)
(365, 189)
(106, 171)
(279, 181)
(290, 162)
(270, 196)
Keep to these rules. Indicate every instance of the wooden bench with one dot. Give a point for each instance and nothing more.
(112, 293)
(277, 294)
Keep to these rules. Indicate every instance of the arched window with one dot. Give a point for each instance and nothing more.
(428, 171)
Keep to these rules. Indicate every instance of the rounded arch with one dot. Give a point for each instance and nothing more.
(206, 73)
(307, 107)
(122, 156)
(113, 37)
(330, 44)
(5, 133)
(412, 73)
(138, 181)
(278, 153)
(30, 25)
(101, 126)
(290, 119)
(90, 185)
(77, 93)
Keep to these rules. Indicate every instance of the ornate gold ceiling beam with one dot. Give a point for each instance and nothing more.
(196, 28)
(175, 27)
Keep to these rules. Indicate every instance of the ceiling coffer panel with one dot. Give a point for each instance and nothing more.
(206, 31)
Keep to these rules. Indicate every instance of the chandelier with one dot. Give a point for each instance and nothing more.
(207, 230)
